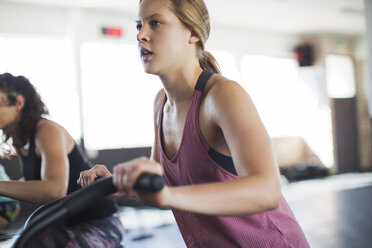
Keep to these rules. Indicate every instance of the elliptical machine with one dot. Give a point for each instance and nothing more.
(56, 211)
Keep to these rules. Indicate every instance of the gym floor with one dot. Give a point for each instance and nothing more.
(334, 212)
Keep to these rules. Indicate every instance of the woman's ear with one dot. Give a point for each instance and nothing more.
(194, 38)
(20, 102)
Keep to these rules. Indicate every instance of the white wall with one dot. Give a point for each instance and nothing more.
(32, 20)
(26, 19)
(40, 20)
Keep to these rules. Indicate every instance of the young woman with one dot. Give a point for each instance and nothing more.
(51, 162)
(210, 144)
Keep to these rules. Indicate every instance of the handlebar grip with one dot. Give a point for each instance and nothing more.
(146, 182)
(150, 183)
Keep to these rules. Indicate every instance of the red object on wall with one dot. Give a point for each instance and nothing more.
(114, 31)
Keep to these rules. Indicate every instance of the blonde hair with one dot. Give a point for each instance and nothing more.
(194, 15)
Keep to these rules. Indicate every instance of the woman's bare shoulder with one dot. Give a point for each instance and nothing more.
(48, 131)
(219, 87)
(45, 126)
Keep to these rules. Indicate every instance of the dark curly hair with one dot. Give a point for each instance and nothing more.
(33, 110)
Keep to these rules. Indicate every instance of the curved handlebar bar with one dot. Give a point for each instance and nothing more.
(80, 199)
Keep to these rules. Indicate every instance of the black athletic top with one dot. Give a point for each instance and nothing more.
(222, 160)
(31, 165)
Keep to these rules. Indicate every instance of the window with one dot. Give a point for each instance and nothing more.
(3, 52)
(289, 104)
(228, 64)
(340, 76)
(47, 64)
(118, 97)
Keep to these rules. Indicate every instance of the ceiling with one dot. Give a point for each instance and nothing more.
(340, 17)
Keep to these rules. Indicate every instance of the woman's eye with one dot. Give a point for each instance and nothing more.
(155, 23)
(138, 27)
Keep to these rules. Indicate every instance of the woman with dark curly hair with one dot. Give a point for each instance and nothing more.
(51, 162)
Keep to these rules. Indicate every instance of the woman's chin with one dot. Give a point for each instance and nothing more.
(149, 70)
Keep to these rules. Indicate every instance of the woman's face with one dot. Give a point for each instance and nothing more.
(163, 40)
(8, 113)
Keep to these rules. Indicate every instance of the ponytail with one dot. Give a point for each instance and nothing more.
(208, 62)
(194, 15)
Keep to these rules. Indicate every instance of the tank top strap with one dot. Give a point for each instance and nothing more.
(202, 80)
(194, 109)
(32, 148)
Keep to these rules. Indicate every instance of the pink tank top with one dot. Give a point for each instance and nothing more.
(193, 165)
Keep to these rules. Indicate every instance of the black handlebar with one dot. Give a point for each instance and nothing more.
(78, 200)
(149, 183)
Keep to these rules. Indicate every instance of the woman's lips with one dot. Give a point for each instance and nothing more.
(145, 54)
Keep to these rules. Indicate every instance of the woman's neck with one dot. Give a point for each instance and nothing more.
(179, 85)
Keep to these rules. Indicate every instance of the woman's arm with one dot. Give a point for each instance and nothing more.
(52, 143)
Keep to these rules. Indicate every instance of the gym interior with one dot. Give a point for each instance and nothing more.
(304, 63)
